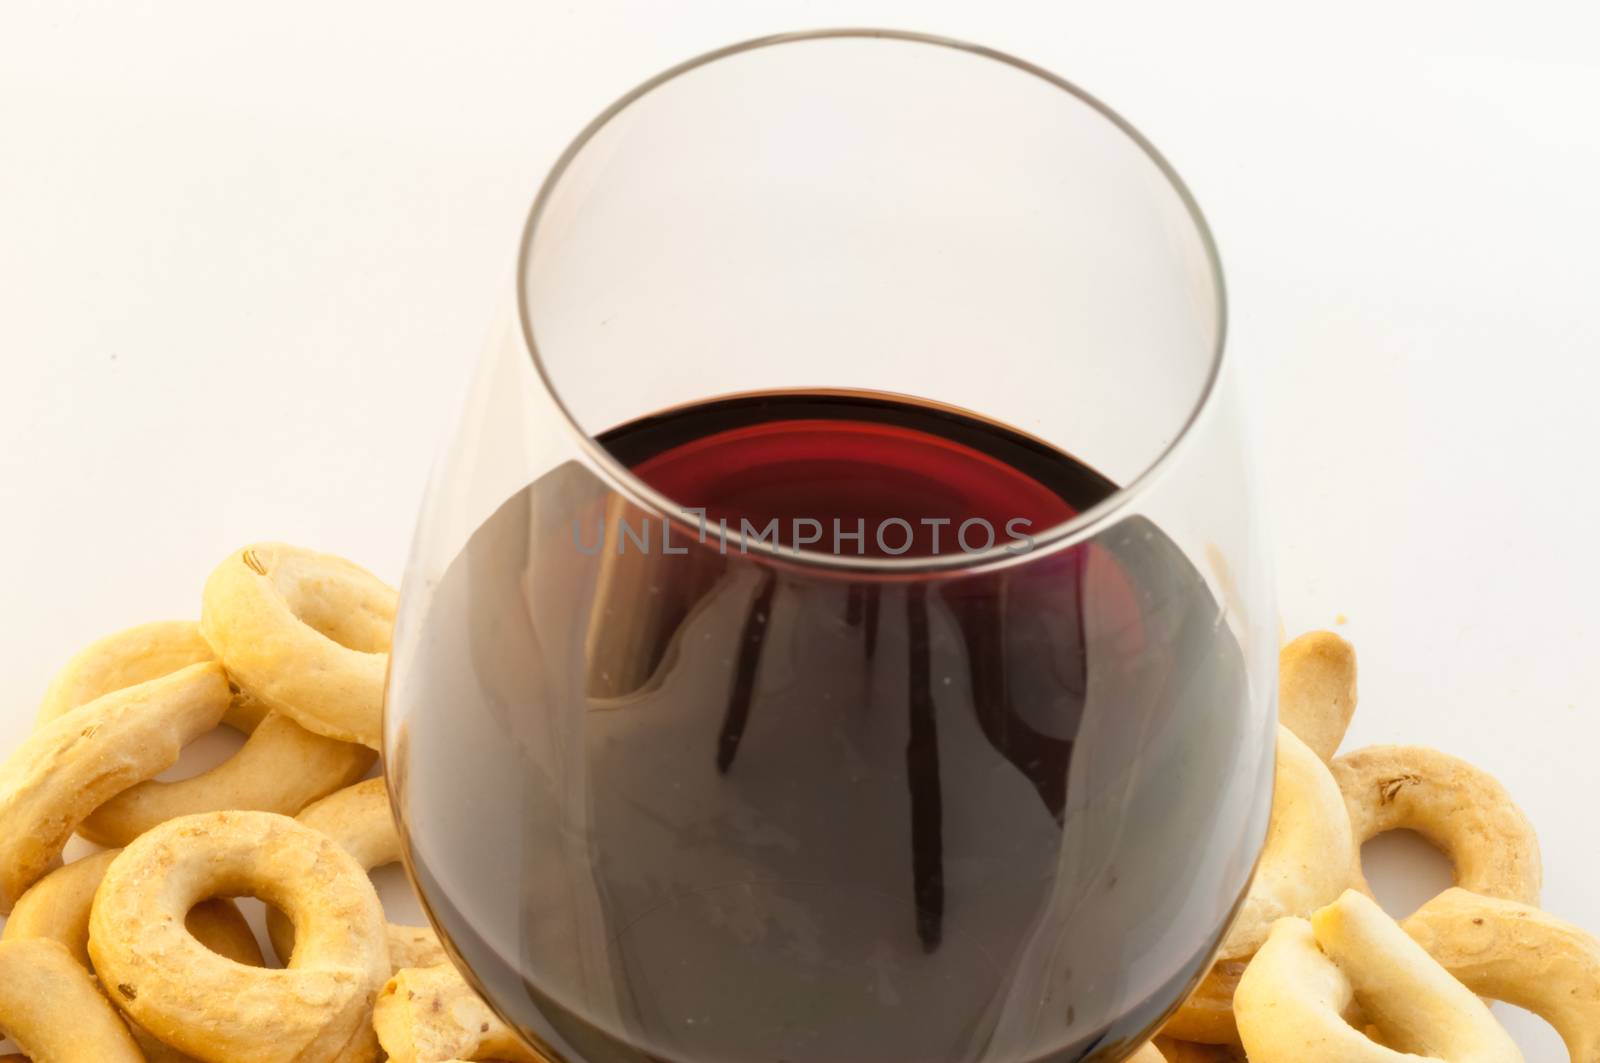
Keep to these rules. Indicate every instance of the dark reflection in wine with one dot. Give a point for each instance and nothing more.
(853, 607)
(871, 620)
(922, 772)
(705, 809)
(751, 640)
(922, 753)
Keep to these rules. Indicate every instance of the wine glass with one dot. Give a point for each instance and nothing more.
(840, 629)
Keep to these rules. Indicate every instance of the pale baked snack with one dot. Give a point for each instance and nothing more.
(305, 633)
(358, 818)
(57, 908)
(431, 1015)
(1317, 690)
(1291, 1001)
(1513, 952)
(1310, 854)
(68, 767)
(53, 1010)
(318, 1008)
(1459, 808)
(1148, 1053)
(282, 767)
(137, 655)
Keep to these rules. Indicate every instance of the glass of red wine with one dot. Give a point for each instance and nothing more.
(839, 630)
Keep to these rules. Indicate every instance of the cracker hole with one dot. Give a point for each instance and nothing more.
(332, 610)
(351, 630)
(252, 919)
(255, 911)
(400, 903)
(1366, 1029)
(1537, 1038)
(203, 754)
(267, 948)
(1405, 871)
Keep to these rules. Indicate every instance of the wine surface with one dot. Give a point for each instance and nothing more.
(674, 801)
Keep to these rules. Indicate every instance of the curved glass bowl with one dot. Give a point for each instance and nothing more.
(733, 802)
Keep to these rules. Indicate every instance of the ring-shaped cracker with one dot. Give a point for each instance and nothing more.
(209, 1006)
(1461, 809)
(1317, 690)
(358, 818)
(1310, 856)
(1513, 952)
(307, 634)
(1206, 1019)
(1293, 996)
(430, 1014)
(282, 767)
(73, 764)
(57, 908)
(50, 1006)
(137, 655)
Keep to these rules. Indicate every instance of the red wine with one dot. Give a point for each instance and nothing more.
(852, 465)
(673, 798)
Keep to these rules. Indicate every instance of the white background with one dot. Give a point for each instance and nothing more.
(248, 255)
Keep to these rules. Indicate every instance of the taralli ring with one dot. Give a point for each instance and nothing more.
(71, 765)
(50, 1006)
(1292, 998)
(282, 767)
(137, 655)
(57, 908)
(1460, 809)
(1310, 855)
(1509, 951)
(430, 1015)
(358, 818)
(305, 633)
(1317, 690)
(217, 1010)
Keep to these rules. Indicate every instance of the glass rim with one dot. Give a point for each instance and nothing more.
(1077, 529)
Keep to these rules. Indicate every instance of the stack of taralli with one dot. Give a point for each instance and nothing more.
(136, 952)
(1313, 971)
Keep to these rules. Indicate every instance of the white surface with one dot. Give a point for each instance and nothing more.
(247, 257)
